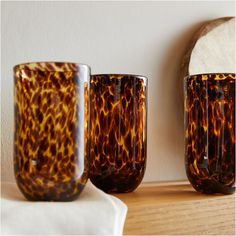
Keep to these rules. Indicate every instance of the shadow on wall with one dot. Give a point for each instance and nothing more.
(170, 120)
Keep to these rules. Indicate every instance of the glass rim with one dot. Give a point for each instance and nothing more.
(24, 66)
(133, 76)
(209, 74)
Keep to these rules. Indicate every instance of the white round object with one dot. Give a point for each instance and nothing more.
(212, 49)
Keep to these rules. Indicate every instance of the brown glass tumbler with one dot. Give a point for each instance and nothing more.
(51, 129)
(118, 135)
(210, 132)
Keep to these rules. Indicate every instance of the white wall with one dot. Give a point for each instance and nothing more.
(118, 37)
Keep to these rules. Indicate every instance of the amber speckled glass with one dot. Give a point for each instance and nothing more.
(210, 132)
(118, 137)
(51, 129)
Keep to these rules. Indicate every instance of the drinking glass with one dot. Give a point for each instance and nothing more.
(118, 135)
(210, 132)
(51, 129)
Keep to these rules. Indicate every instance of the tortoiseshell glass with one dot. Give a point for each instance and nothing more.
(118, 135)
(51, 129)
(210, 132)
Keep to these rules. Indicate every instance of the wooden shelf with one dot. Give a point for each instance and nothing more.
(177, 209)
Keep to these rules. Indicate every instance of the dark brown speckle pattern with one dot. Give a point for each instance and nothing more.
(210, 132)
(50, 154)
(118, 137)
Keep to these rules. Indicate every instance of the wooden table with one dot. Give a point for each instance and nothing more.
(177, 209)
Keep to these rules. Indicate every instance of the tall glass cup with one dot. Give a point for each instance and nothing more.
(210, 132)
(118, 135)
(51, 129)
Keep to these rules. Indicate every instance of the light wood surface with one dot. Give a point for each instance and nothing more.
(177, 209)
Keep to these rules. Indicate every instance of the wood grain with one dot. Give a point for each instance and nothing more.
(177, 209)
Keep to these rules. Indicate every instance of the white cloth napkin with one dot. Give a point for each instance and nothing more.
(93, 213)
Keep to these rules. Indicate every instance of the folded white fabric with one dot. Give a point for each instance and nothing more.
(93, 213)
